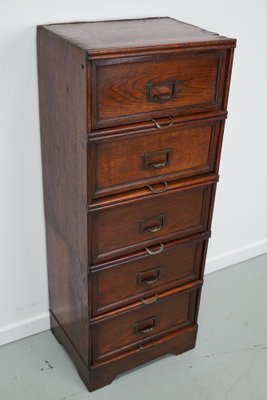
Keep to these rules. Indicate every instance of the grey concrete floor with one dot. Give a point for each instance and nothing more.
(228, 363)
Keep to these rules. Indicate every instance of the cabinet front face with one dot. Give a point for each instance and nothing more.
(131, 161)
(124, 228)
(146, 273)
(132, 117)
(137, 89)
(134, 327)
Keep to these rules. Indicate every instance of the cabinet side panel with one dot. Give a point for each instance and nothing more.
(62, 94)
(62, 101)
(67, 294)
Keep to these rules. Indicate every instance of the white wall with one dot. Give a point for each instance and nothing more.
(240, 220)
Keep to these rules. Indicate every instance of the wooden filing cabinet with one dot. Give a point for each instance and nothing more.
(132, 116)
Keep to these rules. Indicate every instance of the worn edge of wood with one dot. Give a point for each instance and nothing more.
(65, 341)
(175, 343)
(189, 286)
(221, 42)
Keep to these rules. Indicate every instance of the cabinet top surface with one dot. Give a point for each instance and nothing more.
(129, 35)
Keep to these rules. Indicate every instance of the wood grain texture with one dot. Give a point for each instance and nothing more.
(138, 276)
(129, 329)
(62, 93)
(119, 163)
(175, 343)
(118, 229)
(99, 375)
(146, 192)
(111, 37)
(68, 290)
(128, 206)
(120, 87)
(62, 88)
(145, 125)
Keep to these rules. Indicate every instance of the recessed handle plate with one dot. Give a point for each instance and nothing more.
(156, 159)
(152, 224)
(145, 326)
(148, 277)
(161, 92)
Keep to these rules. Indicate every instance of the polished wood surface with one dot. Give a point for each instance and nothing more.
(130, 90)
(140, 275)
(129, 329)
(143, 34)
(63, 135)
(138, 159)
(146, 222)
(131, 131)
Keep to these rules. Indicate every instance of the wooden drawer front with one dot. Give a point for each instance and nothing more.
(166, 314)
(128, 162)
(124, 228)
(138, 89)
(140, 276)
(176, 342)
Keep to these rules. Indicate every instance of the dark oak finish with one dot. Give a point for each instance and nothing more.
(135, 160)
(128, 329)
(112, 38)
(101, 374)
(132, 117)
(126, 227)
(129, 90)
(140, 275)
(62, 88)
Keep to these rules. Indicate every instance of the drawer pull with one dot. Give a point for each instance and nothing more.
(159, 164)
(153, 190)
(162, 91)
(148, 277)
(150, 301)
(148, 346)
(146, 330)
(156, 159)
(152, 224)
(163, 126)
(153, 229)
(145, 326)
(151, 252)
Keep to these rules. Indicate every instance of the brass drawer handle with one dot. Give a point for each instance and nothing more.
(159, 164)
(153, 190)
(150, 301)
(156, 159)
(145, 326)
(148, 347)
(164, 126)
(153, 229)
(152, 224)
(146, 330)
(148, 277)
(150, 281)
(160, 92)
(151, 252)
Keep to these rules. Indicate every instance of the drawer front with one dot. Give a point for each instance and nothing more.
(128, 162)
(139, 89)
(138, 277)
(127, 329)
(124, 228)
(174, 343)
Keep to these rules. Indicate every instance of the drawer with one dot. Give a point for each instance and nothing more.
(137, 89)
(124, 330)
(137, 277)
(176, 342)
(125, 227)
(131, 161)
